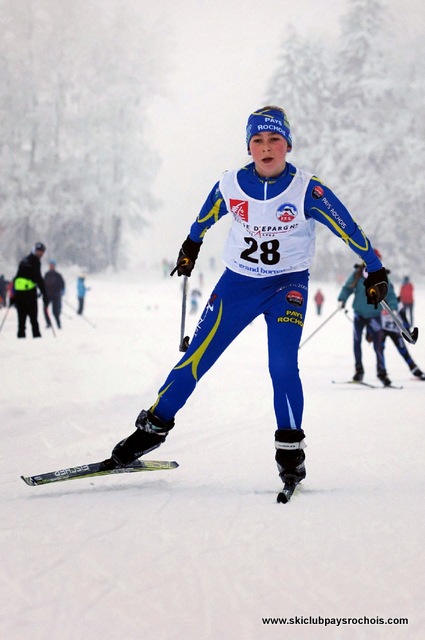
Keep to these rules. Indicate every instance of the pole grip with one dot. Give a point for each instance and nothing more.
(181, 263)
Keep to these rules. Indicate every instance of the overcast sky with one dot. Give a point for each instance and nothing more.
(222, 54)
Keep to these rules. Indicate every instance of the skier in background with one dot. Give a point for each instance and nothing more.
(319, 299)
(81, 293)
(195, 294)
(406, 298)
(270, 247)
(55, 289)
(28, 278)
(369, 317)
(390, 331)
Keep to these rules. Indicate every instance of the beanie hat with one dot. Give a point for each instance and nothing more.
(268, 119)
(39, 246)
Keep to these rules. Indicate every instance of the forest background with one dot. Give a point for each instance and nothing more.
(111, 134)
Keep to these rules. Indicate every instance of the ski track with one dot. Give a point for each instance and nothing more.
(204, 551)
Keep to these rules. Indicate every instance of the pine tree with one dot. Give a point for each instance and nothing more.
(355, 114)
(301, 85)
(372, 148)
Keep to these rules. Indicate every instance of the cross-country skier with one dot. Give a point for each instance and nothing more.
(369, 317)
(274, 207)
(55, 289)
(406, 296)
(391, 331)
(319, 299)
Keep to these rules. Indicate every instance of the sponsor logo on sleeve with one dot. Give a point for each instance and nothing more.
(317, 192)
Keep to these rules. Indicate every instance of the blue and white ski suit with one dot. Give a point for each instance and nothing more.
(268, 252)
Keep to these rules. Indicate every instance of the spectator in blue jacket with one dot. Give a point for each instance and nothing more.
(81, 293)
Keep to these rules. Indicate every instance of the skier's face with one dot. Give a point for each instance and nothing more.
(268, 150)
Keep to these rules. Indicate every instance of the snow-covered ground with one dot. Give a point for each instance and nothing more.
(205, 551)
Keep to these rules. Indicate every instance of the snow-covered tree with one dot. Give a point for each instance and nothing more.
(302, 86)
(76, 78)
(357, 120)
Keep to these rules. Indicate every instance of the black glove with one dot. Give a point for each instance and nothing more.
(186, 258)
(376, 285)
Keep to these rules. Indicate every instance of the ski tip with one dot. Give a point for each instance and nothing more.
(282, 498)
(29, 481)
(152, 465)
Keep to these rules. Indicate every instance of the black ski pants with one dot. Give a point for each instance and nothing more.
(27, 307)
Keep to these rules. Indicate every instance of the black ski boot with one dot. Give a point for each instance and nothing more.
(290, 456)
(150, 434)
(358, 376)
(382, 376)
(417, 372)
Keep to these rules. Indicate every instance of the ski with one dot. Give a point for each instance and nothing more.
(356, 382)
(366, 384)
(286, 494)
(94, 469)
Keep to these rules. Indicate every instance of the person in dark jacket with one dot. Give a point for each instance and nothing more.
(28, 278)
(55, 288)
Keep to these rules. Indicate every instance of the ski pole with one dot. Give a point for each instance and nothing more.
(410, 336)
(184, 340)
(4, 318)
(69, 305)
(81, 315)
(46, 313)
(92, 324)
(320, 326)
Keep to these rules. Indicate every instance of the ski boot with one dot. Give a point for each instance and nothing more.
(382, 376)
(290, 456)
(418, 373)
(150, 434)
(358, 376)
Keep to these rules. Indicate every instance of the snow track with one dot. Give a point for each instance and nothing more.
(204, 551)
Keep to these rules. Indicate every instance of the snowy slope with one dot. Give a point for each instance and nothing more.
(204, 551)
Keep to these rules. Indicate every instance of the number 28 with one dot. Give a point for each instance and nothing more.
(269, 251)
